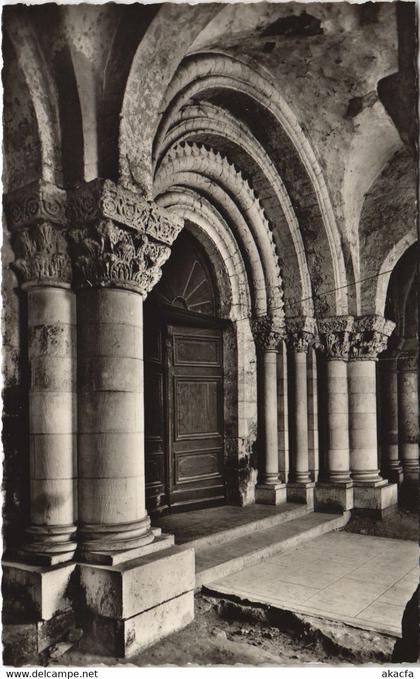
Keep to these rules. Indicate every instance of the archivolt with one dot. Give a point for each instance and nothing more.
(207, 123)
(191, 165)
(389, 263)
(207, 224)
(215, 72)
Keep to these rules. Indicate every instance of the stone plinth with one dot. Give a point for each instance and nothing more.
(270, 494)
(38, 610)
(375, 500)
(301, 493)
(124, 638)
(131, 605)
(333, 496)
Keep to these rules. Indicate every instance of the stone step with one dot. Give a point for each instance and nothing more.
(218, 525)
(213, 563)
(286, 512)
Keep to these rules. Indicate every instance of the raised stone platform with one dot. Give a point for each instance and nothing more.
(358, 580)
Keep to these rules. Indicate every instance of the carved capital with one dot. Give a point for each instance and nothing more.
(106, 255)
(122, 241)
(268, 332)
(335, 336)
(36, 215)
(301, 333)
(41, 255)
(369, 337)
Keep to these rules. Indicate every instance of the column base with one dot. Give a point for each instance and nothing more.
(160, 542)
(270, 493)
(110, 538)
(374, 499)
(395, 475)
(38, 559)
(37, 609)
(48, 545)
(333, 497)
(133, 604)
(303, 493)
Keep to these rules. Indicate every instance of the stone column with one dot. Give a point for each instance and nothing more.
(283, 412)
(300, 336)
(313, 433)
(36, 217)
(119, 249)
(267, 333)
(408, 422)
(336, 491)
(389, 417)
(369, 338)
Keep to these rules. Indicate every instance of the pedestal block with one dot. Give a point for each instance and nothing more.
(270, 494)
(334, 497)
(38, 609)
(375, 500)
(124, 638)
(131, 605)
(301, 493)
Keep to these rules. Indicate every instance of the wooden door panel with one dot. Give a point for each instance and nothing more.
(196, 427)
(202, 351)
(154, 418)
(197, 466)
(197, 408)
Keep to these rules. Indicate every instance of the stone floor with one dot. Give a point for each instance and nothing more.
(360, 580)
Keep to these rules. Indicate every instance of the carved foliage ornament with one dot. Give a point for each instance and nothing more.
(36, 202)
(122, 239)
(335, 336)
(102, 199)
(268, 333)
(301, 333)
(41, 254)
(106, 255)
(370, 337)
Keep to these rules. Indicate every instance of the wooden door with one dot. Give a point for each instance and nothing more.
(195, 414)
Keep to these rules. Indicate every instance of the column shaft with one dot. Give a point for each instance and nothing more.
(338, 454)
(313, 434)
(52, 421)
(408, 417)
(271, 465)
(389, 402)
(301, 417)
(362, 414)
(283, 413)
(112, 509)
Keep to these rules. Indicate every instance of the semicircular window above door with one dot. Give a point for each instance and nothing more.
(186, 281)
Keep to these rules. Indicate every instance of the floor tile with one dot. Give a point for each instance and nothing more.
(380, 611)
(349, 577)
